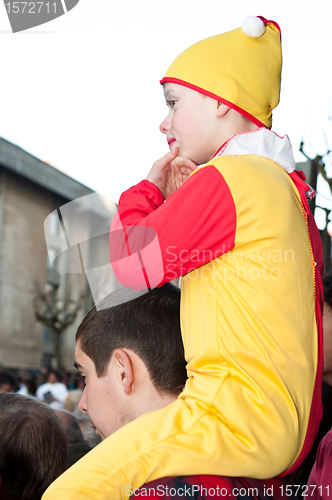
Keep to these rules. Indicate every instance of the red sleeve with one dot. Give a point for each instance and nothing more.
(195, 225)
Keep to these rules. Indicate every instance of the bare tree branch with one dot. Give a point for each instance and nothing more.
(54, 312)
(319, 163)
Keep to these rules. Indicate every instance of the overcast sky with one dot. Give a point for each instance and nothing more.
(82, 92)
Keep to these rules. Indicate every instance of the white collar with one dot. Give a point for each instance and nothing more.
(262, 142)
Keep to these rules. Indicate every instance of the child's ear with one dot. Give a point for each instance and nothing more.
(222, 109)
(125, 371)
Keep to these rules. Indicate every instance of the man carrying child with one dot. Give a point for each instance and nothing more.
(241, 235)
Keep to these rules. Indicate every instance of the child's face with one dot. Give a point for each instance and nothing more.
(191, 123)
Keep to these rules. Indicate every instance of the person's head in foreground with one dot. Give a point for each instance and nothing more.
(131, 356)
(221, 86)
(33, 447)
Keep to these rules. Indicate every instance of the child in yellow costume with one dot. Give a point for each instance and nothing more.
(241, 234)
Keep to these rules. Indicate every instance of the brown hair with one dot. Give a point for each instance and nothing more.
(33, 447)
(149, 325)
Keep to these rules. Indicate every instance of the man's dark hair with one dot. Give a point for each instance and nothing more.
(149, 325)
(33, 447)
(327, 285)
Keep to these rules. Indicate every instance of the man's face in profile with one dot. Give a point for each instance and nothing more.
(102, 397)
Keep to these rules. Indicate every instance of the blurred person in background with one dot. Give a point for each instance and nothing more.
(28, 385)
(71, 405)
(52, 392)
(7, 382)
(72, 400)
(77, 446)
(301, 475)
(320, 479)
(89, 433)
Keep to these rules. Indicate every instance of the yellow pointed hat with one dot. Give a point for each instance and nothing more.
(241, 68)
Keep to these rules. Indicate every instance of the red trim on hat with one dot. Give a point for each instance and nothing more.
(265, 21)
(214, 96)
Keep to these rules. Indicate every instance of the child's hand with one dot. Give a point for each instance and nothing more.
(183, 168)
(170, 172)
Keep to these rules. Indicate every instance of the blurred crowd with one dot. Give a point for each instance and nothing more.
(61, 391)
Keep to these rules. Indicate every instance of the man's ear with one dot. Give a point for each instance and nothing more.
(222, 109)
(125, 369)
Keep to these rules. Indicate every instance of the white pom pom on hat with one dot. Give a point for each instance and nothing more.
(253, 27)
